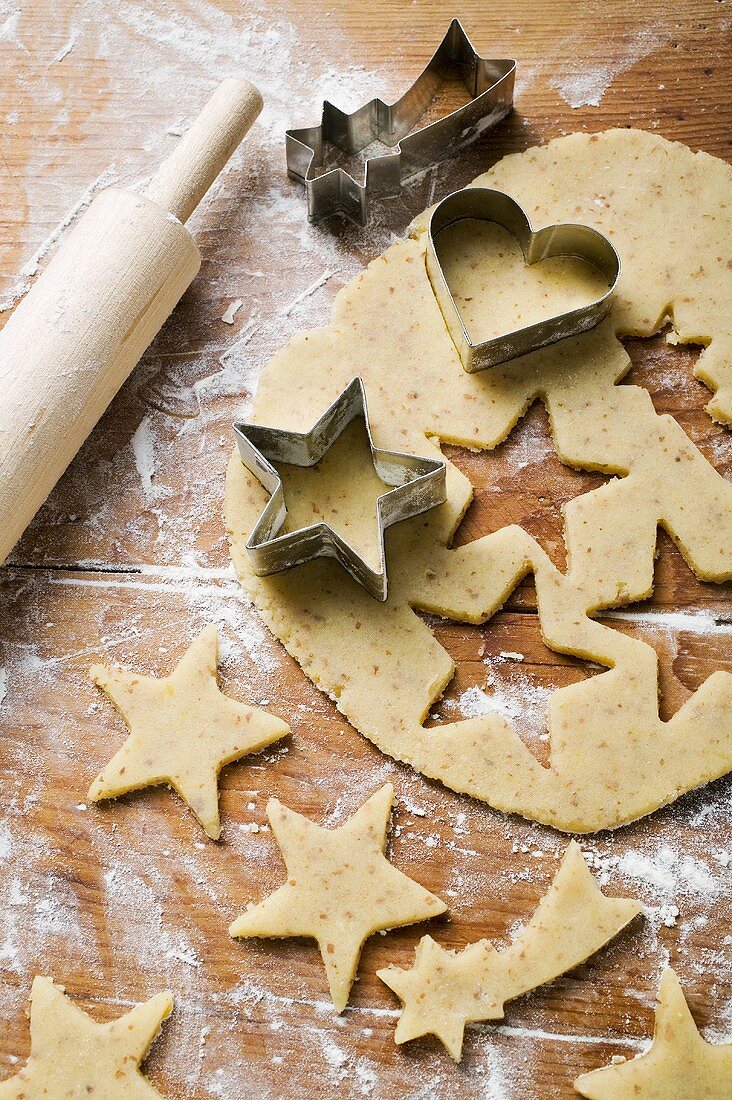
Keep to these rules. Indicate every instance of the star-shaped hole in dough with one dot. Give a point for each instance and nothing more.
(680, 1065)
(340, 888)
(183, 730)
(445, 990)
(73, 1055)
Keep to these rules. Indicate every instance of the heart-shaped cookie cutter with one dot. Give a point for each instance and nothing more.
(581, 241)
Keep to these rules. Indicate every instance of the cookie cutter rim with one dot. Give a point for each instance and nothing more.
(562, 239)
(418, 484)
(490, 83)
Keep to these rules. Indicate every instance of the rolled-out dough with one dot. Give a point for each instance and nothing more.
(612, 758)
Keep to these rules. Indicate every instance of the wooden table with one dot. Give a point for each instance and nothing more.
(128, 560)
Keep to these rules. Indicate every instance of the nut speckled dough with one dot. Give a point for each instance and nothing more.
(183, 730)
(341, 490)
(445, 990)
(612, 759)
(549, 287)
(74, 1056)
(680, 1065)
(340, 888)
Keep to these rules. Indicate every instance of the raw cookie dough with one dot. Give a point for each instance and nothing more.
(680, 1065)
(445, 990)
(183, 730)
(548, 288)
(340, 889)
(612, 758)
(341, 490)
(72, 1055)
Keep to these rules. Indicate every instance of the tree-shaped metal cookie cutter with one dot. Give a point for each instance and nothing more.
(566, 239)
(490, 85)
(419, 484)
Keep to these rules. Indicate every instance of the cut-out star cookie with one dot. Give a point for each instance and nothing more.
(340, 888)
(73, 1055)
(445, 990)
(680, 1065)
(183, 730)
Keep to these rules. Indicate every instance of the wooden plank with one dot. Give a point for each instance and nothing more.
(128, 559)
(126, 897)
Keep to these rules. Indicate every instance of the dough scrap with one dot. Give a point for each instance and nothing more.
(73, 1055)
(340, 889)
(680, 1065)
(183, 730)
(445, 990)
(612, 759)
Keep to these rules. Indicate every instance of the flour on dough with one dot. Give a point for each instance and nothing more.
(612, 759)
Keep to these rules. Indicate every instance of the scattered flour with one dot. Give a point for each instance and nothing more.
(496, 1085)
(32, 266)
(9, 30)
(307, 293)
(669, 872)
(231, 311)
(143, 448)
(474, 702)
(585, 82)
(509, 693)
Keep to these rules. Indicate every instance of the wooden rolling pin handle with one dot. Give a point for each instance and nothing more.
(184, 178)
(80, 330)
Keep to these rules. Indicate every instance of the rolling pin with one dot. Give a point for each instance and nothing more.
(81, 329)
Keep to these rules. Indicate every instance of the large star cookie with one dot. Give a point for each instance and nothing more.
(445, 990)
(72, 1055)
(340, 888)
(679, 1066)
(183, 730)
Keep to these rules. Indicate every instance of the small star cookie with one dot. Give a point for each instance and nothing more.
(73, 1055)
(445, 990)
(680, 1065)
(340, 888)
(183, 730)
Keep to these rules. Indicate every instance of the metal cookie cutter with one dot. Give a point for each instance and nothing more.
(490, 84)
(581, 241)
(419, 484)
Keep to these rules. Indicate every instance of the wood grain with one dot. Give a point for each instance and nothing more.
(128, 559)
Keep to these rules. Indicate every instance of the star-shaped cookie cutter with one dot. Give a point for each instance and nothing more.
(419, 484)
(490, 84)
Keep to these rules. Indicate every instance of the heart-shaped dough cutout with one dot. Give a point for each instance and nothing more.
(570, 293)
